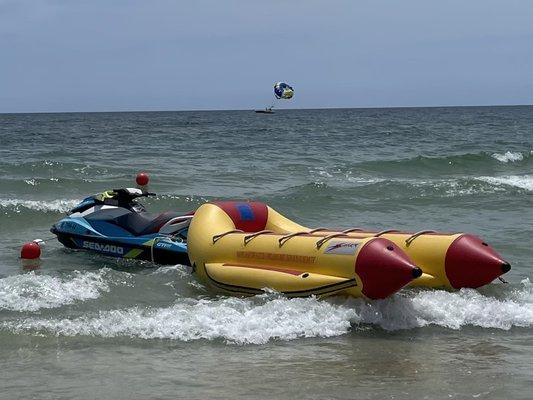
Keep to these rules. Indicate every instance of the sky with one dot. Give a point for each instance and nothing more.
(118, 55)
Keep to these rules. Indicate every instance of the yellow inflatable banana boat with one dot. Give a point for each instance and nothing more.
(251, 246)
(448, 260)
(244, 247)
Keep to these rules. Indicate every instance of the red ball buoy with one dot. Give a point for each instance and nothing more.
(30, 251)
(142, 179)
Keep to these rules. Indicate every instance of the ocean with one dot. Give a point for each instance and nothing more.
(86, 326)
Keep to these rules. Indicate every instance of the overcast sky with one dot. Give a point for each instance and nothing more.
(107, 55)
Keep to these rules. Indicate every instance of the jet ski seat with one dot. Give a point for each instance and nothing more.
(144, 223)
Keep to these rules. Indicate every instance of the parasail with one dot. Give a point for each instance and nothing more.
(283, 91)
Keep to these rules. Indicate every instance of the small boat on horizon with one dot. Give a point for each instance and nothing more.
(267, 110)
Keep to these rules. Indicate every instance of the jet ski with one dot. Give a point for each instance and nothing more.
(114, 224)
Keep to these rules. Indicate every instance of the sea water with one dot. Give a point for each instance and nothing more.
(86, 326)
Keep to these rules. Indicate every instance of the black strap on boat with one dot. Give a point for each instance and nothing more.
(386, 231)
(325, 239)
(285, 238)
(216, 238)
(352, 230)
(319, 230)
(415, 235)
(254, 235)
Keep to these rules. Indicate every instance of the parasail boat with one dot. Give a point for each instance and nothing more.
(267, 110)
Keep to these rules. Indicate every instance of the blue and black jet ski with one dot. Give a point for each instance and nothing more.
(114, 224)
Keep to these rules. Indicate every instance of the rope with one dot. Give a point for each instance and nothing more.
(38, 241)
(156, 239)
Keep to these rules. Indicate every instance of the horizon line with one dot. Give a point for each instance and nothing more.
(253, 109)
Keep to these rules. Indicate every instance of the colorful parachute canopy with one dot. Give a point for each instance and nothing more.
(283, 91)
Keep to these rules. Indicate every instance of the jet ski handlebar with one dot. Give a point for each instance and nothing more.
(131, 193)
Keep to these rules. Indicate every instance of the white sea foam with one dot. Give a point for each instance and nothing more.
(453, 310)
(233, 319)
(270, 317)
(61, 205)
(32, 292)
(339, 176)
(508, 156)
(520, 181)
(182, 271)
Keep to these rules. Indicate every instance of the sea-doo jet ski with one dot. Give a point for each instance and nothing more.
(113, 223)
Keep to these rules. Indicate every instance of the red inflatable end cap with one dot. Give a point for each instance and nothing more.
(30, 251)
(384, 268)
(142, 179)
(472, 263)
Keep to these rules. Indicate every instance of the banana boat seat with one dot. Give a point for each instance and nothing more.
(243, 248)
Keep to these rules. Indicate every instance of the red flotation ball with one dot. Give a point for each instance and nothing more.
(30, 251)
(142, 179)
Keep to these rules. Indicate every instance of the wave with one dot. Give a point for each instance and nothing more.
(60, 205)
(453, 310)
(232, 319)
(63, 205)
(361, 188)
(406, 189)
(524, 182)
(269, 317)
(423, 165)
(509, 156)
(31, 292)
(50, 167)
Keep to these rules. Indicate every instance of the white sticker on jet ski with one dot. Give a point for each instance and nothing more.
(339, 247)
(104, 248)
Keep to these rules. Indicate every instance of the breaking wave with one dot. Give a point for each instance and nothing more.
(32, 292)
(269, 317)
(524, 182)
(235, 320)
(508, 156)
(452, 310)
(17, 205)
(424, 164)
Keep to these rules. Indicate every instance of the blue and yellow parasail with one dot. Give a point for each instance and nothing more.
(283, 91)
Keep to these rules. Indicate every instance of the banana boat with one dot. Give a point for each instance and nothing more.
(244, 247)
(447, 260)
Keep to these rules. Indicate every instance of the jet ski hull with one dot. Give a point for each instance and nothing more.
(158, 250)
(113, 224)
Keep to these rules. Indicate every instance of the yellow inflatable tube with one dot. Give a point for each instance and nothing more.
(449, 260)
(244, 247)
